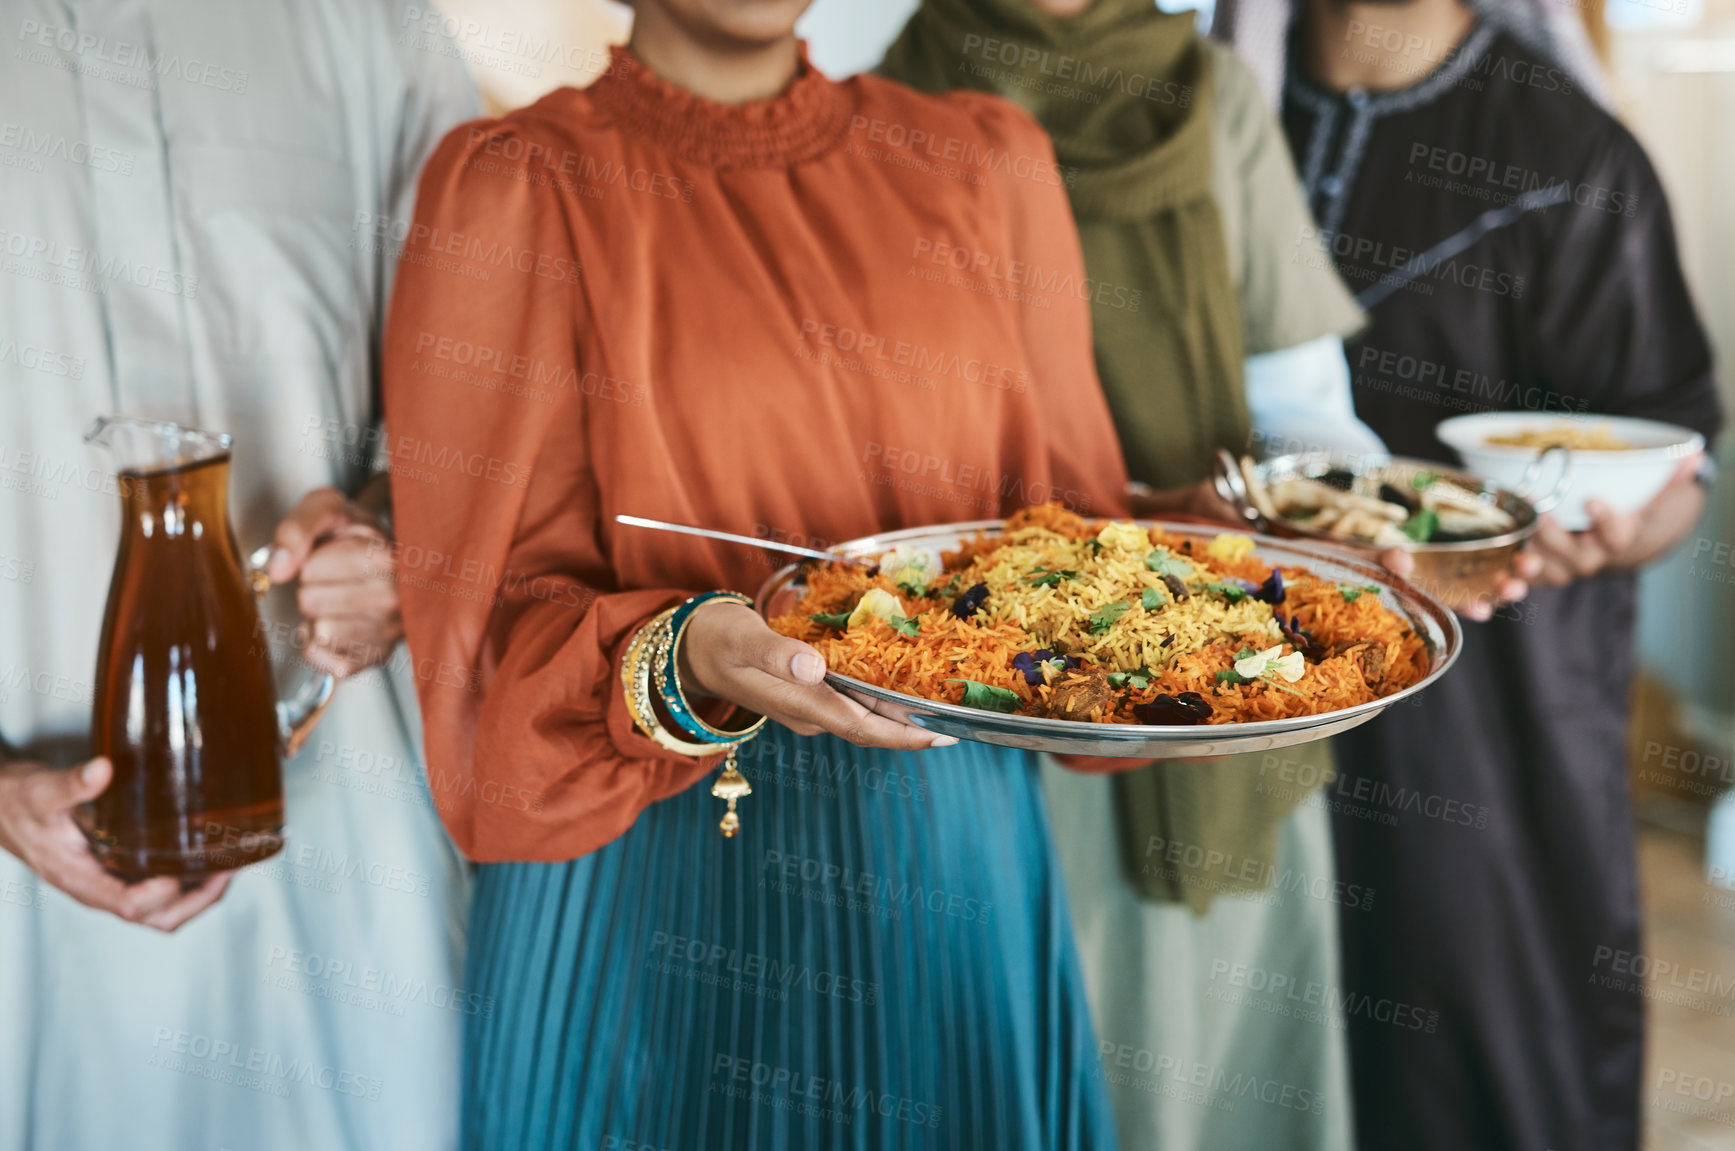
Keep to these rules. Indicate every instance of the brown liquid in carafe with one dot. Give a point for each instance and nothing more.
(185, 703)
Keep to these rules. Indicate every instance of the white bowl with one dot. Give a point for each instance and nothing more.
(1625, 480)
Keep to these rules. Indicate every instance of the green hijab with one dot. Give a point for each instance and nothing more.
(1124, 91)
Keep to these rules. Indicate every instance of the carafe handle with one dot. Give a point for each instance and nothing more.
(298, 715)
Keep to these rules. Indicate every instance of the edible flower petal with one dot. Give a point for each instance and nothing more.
(1253, 666)
(1270, 662)
(1289, 668)
(909, 568)
(1299, 639)
(876, 602)
(911, 580)
(1271, 591)
(1031, 663)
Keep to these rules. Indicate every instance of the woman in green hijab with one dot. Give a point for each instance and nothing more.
(1218, 324)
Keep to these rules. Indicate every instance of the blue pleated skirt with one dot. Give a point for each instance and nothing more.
(882, 959)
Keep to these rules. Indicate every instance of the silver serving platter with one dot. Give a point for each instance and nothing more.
(1437, 626)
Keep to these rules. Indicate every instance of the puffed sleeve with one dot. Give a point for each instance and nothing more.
(1084, 455)
(1616, 327)
(515, 623)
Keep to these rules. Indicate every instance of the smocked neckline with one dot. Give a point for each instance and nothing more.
(803, 122)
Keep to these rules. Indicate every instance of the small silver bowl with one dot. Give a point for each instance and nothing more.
(1457, 573)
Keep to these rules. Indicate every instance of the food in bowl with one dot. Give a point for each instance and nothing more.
(1595, 438)
(1466, 553)
(1364, 508)
(1625, 479)
(1094, 621)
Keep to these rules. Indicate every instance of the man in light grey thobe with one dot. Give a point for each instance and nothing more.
(197, 203)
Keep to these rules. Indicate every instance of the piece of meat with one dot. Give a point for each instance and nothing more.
(1373, 665)
(1075, 694)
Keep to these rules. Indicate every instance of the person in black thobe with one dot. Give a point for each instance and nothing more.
(1512, 246)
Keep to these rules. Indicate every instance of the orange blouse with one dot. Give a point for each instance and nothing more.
(848, 309)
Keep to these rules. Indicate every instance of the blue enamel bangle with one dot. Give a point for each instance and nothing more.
(669, 676)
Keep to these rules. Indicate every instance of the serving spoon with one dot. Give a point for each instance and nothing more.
(750, 541)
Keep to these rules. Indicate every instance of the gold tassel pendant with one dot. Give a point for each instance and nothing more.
(732, 786)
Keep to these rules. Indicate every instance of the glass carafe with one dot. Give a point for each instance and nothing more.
(186, 707)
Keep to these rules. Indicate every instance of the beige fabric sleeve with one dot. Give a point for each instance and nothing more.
(1290, 292)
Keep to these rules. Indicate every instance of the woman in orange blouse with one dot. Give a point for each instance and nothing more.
(703, 290)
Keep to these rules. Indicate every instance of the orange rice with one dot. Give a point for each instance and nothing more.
(1205, 630)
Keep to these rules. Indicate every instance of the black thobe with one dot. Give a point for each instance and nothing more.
(1513, 248)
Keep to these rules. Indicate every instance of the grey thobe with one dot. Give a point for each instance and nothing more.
(188, 197)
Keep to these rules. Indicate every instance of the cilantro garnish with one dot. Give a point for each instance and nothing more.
(1044, 578)
(1422, 526)
(1152, 599)
(905, 625)
(1353, 592)
(1233, 593)
(836, 619)
(1103, 617)
(1164, 564)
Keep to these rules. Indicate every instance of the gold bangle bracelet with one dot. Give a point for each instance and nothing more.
(636, 679)
(646, 651)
